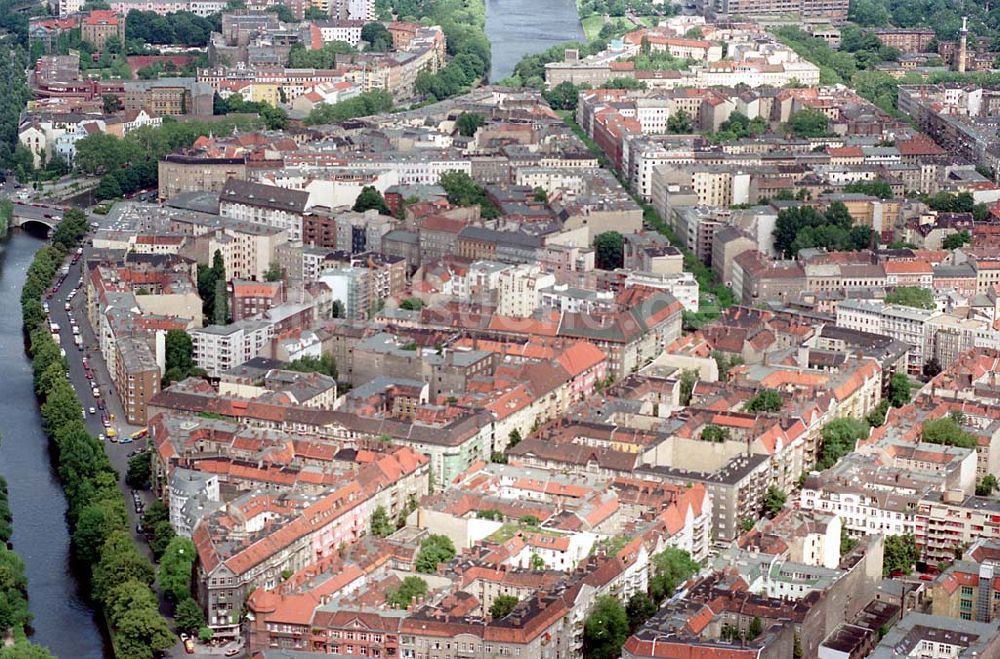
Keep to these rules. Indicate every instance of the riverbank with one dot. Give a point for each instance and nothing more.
(63, 620)
(120, 578)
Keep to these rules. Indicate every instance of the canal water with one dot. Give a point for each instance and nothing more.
(522, 27)
(64, 621)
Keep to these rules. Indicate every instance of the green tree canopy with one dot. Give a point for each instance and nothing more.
(767, 400)
(946, 430)
(670, 568)
(377, 37)
(900, 554)
(410, 588)
(899, 389)
(679, 123)
(838, 439)
(381, 526)
(809, 122)
(502, 605)
(911, 296)
(609, 250)
(956, 240)
(370, 198)
(434, 550)
(605, 629)
(463, 191)
(774, 501)
(469, 122)
(800, 227)
(986, 486)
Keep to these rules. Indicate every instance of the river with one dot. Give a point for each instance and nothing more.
(521, 27)
(64, 621)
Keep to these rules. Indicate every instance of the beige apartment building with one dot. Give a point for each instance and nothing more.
(190, 173)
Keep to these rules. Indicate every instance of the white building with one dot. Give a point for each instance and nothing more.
(905, 324)
(519, 290)
(218, 348)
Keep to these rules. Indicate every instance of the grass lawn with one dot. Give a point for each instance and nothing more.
(651, 21)
(592, 26)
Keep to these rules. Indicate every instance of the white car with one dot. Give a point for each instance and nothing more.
(101, 437)
(92, 410)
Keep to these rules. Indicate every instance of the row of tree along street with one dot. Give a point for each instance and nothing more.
(120, 577)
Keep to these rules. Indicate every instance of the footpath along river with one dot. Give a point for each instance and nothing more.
(64, 621)
(522, 27)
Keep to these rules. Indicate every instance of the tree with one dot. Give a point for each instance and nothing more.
(188, 616)
(670, 567)
(767, 400)
(679, 123)
(755, 629)
(639, 609)
(838, 439)
(931, 368)
(412, 304)
(434, 550)
(847, 543)
(337, 309)
(469, 122)
(713, 433)
(220, 302)
(410, 588)
(162, 534)
(879, 189)
(381, 527)
(324, 364)
(809, 122)
(986, 486)
(370, 198)
(605, 629)
(610, 250)
(120, 562)
(176, 569)
(273, 272)
(156, 512)
(463, 191)
(688, 379)
(377, 37)
(800, 227)
(947, 431)
(24, 650)
(899, 555)
(956, 240)
(108, 188)
(94, 524)
(912, 296)
(899, 389)
(139, 471)
(14, 613)
(502, 605)
(362, 105)
(774, 501)
(563, 96)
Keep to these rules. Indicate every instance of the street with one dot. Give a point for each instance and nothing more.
(117, 452)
